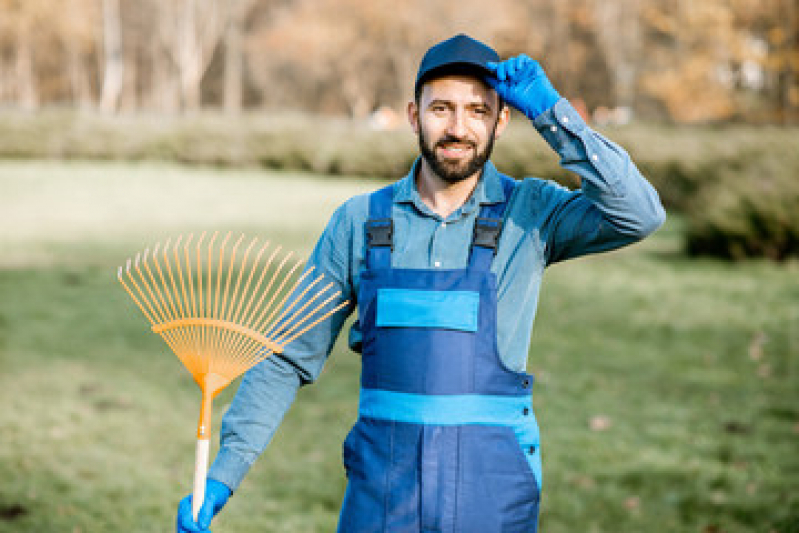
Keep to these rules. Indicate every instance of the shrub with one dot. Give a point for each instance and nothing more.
(737, 184)
(748, 212)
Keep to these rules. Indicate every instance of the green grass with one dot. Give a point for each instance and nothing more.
(688, 369)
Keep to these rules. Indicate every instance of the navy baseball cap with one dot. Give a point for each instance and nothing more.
(459, 54)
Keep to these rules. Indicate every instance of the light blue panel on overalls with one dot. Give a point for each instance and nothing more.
(446, 440)
(457, 410)
(428, 309)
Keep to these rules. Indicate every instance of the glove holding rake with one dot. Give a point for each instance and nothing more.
(222, 312)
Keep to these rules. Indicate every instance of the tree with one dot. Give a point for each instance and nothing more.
(684, 60)
(114, 67)
(234, 60)
(325, 55)
(24, 29)
(199, 28)
(618, 33)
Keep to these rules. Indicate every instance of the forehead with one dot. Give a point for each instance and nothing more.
(458, 89)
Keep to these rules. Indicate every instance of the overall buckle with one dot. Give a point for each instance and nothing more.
(380, 232)
(486, 232)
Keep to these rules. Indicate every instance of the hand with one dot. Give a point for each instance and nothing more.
(216, 496)
(522, 83)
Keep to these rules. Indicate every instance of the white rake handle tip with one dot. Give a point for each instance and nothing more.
(200, 474)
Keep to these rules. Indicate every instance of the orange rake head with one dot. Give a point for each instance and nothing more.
(222, 308)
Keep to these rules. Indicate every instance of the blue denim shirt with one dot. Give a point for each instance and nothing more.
(545, 223)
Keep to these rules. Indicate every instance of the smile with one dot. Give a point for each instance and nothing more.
(454, 150)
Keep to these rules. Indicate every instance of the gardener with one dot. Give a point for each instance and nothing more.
(445, 266)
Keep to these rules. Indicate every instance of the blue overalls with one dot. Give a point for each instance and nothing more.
(446, 439)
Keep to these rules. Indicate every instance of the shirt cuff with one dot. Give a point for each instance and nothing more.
(561, 116)
(229, 468)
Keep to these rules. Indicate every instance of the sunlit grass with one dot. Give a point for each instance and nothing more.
(67, 209)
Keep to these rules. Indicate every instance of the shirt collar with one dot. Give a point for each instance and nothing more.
(488, 191)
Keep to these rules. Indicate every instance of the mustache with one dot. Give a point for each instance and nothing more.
(452, 139)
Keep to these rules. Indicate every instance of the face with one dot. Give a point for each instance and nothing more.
(456, 120)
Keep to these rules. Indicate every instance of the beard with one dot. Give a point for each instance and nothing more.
(453, 172)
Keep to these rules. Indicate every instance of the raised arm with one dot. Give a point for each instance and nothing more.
(615, 205)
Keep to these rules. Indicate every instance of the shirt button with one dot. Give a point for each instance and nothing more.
(595, 157)
(437, 264)
(565, 120)
(443, 224)
(526, 411)
(553, 129)
(531, 450)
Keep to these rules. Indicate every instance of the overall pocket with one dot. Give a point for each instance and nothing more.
(499, 491)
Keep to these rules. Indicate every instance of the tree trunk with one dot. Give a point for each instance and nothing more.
(129, 94)
(557, 61)
(619, 34)
(357, 94)
(189, 57)
(198, 35)
(78, 79)
(233, 60)
(27, 95)
(112, 47)
(164, 90)
(6, 88)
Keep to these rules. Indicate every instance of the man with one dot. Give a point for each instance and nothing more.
(445, 267)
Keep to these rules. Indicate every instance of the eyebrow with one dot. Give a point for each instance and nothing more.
(481, 103)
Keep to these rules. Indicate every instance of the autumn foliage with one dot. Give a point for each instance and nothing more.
(686, 61)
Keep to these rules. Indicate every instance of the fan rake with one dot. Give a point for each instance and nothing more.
(222, 312)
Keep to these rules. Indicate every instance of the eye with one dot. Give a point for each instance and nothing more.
(480, 111)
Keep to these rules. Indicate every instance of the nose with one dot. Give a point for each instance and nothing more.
(457, 124)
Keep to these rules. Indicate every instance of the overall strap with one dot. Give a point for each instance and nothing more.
(379, 228)
(488, 228)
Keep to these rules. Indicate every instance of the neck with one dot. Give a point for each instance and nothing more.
(441, 196)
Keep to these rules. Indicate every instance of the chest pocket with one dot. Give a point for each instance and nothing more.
(414, 308)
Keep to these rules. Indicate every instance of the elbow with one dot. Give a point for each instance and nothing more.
(651, 220)
(641, 222)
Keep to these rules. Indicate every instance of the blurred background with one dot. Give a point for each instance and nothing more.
(674, 60)
(667, 373)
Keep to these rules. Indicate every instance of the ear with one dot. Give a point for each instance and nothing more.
(413, 116)
(502, 121)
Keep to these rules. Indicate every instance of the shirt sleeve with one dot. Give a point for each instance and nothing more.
(615, 205)
(268, 389)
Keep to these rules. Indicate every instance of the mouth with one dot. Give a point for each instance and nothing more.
(454, 150)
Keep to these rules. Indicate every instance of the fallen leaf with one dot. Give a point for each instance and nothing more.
(632, 503)
(600, 423)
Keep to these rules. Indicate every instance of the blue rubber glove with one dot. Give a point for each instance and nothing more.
(522, 83)
(216, 496)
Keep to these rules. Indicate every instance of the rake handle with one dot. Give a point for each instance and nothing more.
(201, 452)
(200, 474)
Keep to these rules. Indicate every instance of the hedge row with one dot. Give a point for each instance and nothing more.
(738, 185)
(748, 212)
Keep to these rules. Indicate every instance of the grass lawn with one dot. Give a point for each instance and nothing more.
(667, 388)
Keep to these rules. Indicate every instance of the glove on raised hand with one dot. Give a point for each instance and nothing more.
(522, 83)
(216, 496)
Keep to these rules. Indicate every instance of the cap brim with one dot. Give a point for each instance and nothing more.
(463, 68)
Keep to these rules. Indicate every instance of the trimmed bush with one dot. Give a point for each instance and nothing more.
(737, 184)
(748, 212)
